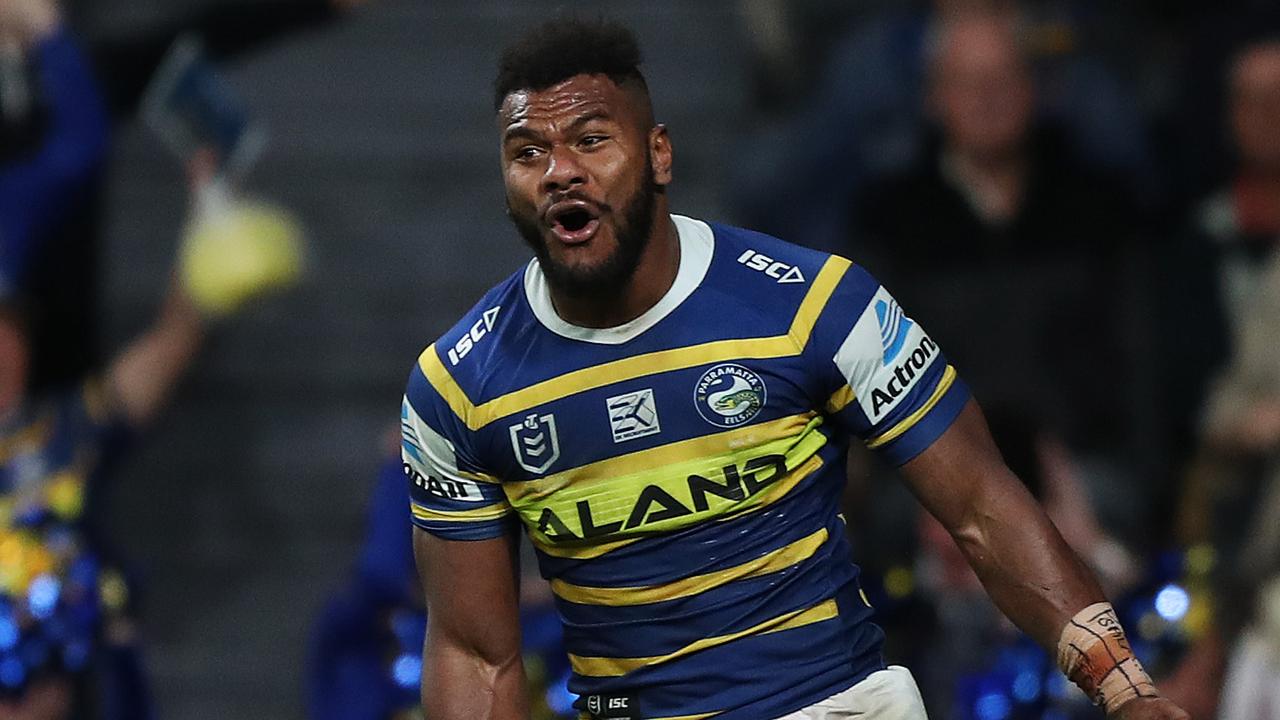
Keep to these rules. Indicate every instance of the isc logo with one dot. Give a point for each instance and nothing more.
(477, 332)
(779, 271)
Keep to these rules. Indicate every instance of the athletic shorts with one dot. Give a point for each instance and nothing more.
(889, 694)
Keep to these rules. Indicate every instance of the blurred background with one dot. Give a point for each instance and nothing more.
(1080, 199)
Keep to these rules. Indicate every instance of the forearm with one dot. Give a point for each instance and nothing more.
(142, 377)
(461, 683)
(1031, 574)
(1028, 569)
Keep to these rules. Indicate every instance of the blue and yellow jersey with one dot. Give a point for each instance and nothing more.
(55, 592)
(679, 476)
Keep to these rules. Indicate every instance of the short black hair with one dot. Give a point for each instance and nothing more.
(560, 49)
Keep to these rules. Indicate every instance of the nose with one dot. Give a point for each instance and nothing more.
(563, 171)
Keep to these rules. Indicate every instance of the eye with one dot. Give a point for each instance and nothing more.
(592, 140)
(528, 152)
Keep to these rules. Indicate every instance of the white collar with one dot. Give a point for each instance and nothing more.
(697, 243)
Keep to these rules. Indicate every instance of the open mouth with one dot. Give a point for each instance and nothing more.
(573, 222)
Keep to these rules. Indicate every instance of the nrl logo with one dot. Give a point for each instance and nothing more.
(535, 443)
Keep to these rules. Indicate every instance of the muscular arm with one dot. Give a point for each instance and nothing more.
(1035, 579)
(1026, 567)
(142, 377)
(472, 669)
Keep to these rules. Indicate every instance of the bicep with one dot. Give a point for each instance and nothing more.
(472, 591)
(962, 474)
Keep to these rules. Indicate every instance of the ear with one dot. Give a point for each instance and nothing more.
(660, 154)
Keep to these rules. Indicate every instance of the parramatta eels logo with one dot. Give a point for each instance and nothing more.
(535, 442)
(729, 395)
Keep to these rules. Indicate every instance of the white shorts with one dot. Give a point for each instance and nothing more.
(889, 694)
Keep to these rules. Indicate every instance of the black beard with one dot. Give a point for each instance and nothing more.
(610, 277)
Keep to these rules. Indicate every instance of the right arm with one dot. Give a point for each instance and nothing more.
(464, 541)
(472, 668)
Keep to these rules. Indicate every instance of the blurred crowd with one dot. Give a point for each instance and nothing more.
(1080, 199)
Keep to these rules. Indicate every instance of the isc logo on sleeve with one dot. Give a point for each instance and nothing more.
(477, 332)
(781, 272)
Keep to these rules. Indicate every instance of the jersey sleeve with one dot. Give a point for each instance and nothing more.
(450, 495)
(889, 382)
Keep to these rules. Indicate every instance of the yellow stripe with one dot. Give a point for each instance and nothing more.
(444, 384)
(792, 343)
(617, 667)
(495, 511)
(816, 299)
(480, 477)
(776, 492)
(771, 562)
(713, 446)
(840, 399)
(948, 376)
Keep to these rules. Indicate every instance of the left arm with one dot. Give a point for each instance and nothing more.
(1021, 559)
(142, 377)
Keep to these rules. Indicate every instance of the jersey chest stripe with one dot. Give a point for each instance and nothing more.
(948, 377)
(662, 498)
(617, 667)
(771, 562)
(775, 492)
(695, 448)
(787, 345)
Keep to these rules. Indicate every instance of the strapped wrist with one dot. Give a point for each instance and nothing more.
(1095, 654)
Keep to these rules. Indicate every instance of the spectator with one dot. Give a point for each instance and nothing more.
(46, 174)
(1233, 494)
(868, 104)
(51, 176)
(1001, 228)
(67, 636)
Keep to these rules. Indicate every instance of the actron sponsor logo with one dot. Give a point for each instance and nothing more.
(904, 375)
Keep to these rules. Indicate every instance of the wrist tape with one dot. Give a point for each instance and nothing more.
(1094, 653)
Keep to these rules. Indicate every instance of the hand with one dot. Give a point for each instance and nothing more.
(28, 21)
(1150, 708)
(1260, 429)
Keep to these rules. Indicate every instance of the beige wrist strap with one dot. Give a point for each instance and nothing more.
(1095, 654)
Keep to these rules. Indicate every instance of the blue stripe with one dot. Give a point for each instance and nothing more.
(930, 427)
(764, 676)
(661, 628)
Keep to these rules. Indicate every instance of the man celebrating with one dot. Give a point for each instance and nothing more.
(664, 404)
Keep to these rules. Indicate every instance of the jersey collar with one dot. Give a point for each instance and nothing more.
(697, 243)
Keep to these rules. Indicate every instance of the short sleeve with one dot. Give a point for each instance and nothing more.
(450, 496)
(889, 382)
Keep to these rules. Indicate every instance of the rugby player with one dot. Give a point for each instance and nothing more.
(663, 405)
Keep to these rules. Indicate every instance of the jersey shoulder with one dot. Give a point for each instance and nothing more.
(781, 278)
(773, 261)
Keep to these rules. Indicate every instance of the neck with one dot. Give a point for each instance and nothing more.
(1262, 175)
(654, 275)
(9, 412)
(994, 182)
